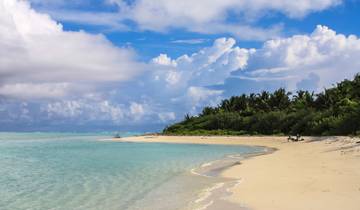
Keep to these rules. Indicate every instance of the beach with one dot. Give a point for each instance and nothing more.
(317, 173)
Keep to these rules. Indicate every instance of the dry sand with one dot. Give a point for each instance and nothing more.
(318, 173)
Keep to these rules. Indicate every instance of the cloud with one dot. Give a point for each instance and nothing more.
(183, 83)
(111, 21)
(241, 31)
(90, 111)
(195, 10)
(35, 91)
(323, 57)
(39, 57)
(167, 116)
(164, 60)
(137, 110)
(309, 83)
(200, 96)
(190, 41)
(165, 15)
(83, 110)
(209, 66)
(159, 14)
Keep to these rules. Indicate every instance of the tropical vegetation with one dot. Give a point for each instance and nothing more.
(335, 111)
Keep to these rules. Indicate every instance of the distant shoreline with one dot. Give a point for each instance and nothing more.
(325, 168)
(242, 135)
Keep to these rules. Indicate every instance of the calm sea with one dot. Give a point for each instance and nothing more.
(41, 171)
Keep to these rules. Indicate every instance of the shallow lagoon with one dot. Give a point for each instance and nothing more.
(77, 171)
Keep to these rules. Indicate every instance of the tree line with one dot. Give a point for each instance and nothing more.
(335, 111)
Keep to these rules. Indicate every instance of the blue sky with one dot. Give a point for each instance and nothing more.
(141, 64)
(339, 18)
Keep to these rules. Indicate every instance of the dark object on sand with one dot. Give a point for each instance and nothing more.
(117, 136)
(298, 138)
(358, 142)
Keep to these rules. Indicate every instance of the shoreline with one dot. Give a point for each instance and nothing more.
(215, 194)
(319, 173)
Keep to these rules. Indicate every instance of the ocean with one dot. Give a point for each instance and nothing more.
(66, 171)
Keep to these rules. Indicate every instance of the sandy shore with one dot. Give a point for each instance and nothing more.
(319, 173)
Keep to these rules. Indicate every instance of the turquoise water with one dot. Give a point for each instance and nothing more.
(76, 171)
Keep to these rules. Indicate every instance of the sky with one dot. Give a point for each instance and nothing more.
(92, 65)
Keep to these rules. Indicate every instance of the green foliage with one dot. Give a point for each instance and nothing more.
(335, 111)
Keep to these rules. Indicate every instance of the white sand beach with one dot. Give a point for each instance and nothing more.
(318, 173)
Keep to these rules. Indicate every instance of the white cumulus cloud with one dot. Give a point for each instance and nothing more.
(323, 53)
(208, 66)
(37, 53)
